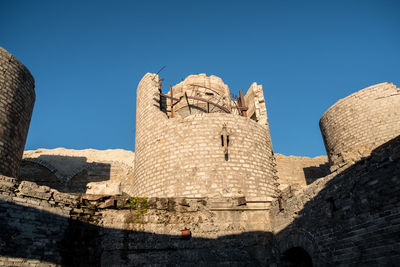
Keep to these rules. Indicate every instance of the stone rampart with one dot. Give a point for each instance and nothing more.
(17, 97)
(57, 229)
(357, 124)
(348, 218)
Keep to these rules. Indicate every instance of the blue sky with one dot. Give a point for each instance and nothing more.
(87, 58)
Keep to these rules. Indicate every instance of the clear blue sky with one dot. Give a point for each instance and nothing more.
(87, 58)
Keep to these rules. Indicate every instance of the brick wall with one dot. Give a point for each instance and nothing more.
(185, 157)
(357, 124)
(17, 97)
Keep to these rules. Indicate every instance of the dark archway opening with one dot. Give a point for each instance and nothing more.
(296, 256)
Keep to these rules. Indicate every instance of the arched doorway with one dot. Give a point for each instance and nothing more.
(296, 256)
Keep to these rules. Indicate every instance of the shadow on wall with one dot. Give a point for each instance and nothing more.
(353, 220)
(314, 173)
(64, 173)
(32, 234)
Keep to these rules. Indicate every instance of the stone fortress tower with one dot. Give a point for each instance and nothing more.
(17, 97)
(195, 141)
(359, 123)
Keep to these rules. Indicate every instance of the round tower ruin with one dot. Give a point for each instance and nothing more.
(359, 123)
(195, 146)
(16, 104)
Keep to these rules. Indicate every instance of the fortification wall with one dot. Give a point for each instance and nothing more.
(299, 172)
(185, 157)
(17, 98)
(42, 227)
(348, 218)
(357, 124)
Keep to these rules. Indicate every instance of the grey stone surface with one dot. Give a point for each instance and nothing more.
(17, 97)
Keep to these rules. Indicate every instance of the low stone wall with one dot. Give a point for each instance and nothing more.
(40, 226)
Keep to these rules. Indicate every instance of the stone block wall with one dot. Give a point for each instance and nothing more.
(17, 97)
(255, 103)
(73, 171)
(299, 172)
(185, 157)
(348, 218)
(42, 227)
(207, 87)
(357, 124)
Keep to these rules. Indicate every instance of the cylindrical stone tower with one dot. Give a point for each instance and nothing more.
(185, 156)
(17, 98)
(361, 122)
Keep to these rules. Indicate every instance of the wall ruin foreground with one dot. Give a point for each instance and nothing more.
(336, 228)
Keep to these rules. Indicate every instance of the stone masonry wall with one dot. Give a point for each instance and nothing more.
(200, 85)
(185, 157)
(42, 227)
(255, 103)
(17, 97)
(357, 124)
(73, 171)
(299, 172)
(351, 218)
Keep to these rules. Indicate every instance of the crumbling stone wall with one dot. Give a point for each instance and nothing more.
(255, 102)
(40, 226)
(211, 88)
(184, 156)
(67, 170)
(357, 124)
(17, 97)
(349, 218)
(298, 172)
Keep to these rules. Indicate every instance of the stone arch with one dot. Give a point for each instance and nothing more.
(296, 256)
(110, 171)
(298, 243)
(90, 172)
(42, 173)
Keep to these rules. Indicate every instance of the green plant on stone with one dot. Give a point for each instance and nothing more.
(138, 203)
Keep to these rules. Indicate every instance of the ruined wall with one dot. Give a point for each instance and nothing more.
(79, 171)
(184, 157)
(357, 124)
(255, 103)
(351, 218)
(40, 226)
(299, 172)
(33, 223)
(17, 97)
(211, 88)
